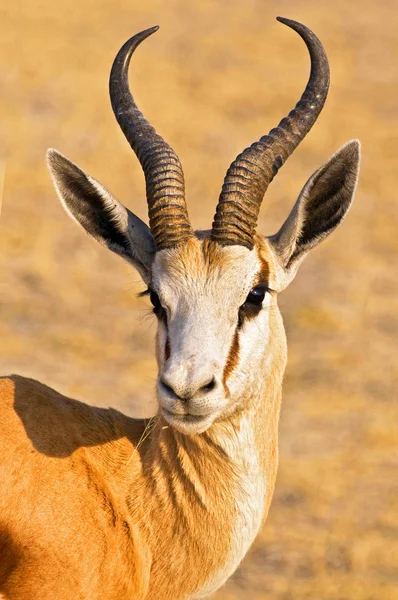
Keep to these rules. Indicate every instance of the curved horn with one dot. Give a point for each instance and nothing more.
(248, 177)
(168, 216)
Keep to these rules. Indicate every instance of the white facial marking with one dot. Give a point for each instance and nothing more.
(249, 493)
(201, 295)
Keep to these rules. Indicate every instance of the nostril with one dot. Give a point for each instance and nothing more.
(168, 387)
(187, 391)
(208, 387)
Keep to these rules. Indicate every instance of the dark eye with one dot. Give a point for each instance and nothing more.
(252, 305)
(155, 302)
(256, 296)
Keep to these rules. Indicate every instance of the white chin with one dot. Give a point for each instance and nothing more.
(188, 424)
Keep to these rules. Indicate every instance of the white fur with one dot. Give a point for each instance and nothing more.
(249, 494)
(251, 483)
(201, 330)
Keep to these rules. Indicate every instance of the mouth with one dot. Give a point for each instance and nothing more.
(187, 423)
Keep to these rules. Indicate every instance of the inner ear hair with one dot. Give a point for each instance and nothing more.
(90, 204)
(321, 206)
(94, 208)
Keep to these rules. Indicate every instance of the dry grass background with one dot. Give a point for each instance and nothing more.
(216, 77)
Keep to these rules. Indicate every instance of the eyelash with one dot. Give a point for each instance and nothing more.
(155, 301)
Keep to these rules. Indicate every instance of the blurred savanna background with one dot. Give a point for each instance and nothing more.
(215, 78)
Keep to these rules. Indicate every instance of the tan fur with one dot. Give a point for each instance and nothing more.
(97, 505)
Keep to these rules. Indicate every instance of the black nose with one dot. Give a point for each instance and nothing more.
(188, 393)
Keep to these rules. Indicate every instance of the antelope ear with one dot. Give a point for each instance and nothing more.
(321, 206)
(101, 215)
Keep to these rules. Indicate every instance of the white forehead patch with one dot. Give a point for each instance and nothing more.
(199, 269)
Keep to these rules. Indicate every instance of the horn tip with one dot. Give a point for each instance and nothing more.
(288, 22)
(146, 33)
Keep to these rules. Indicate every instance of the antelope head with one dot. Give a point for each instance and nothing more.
(220, 339)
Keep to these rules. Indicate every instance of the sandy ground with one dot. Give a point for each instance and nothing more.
(215, 78)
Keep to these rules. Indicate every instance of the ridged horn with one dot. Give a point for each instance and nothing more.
(165, 188)
(250, 174)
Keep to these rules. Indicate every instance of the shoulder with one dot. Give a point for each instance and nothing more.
(23, 391)
(7, 385)
(33, 411)
(11, 385)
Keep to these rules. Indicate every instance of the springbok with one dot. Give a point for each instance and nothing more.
(97, 505)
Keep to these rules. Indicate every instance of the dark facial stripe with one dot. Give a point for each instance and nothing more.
(163, 319)
(233, 355)
(232, 360)
(249, 310)
(167, 347)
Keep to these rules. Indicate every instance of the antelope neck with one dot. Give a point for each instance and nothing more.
(187, 478)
